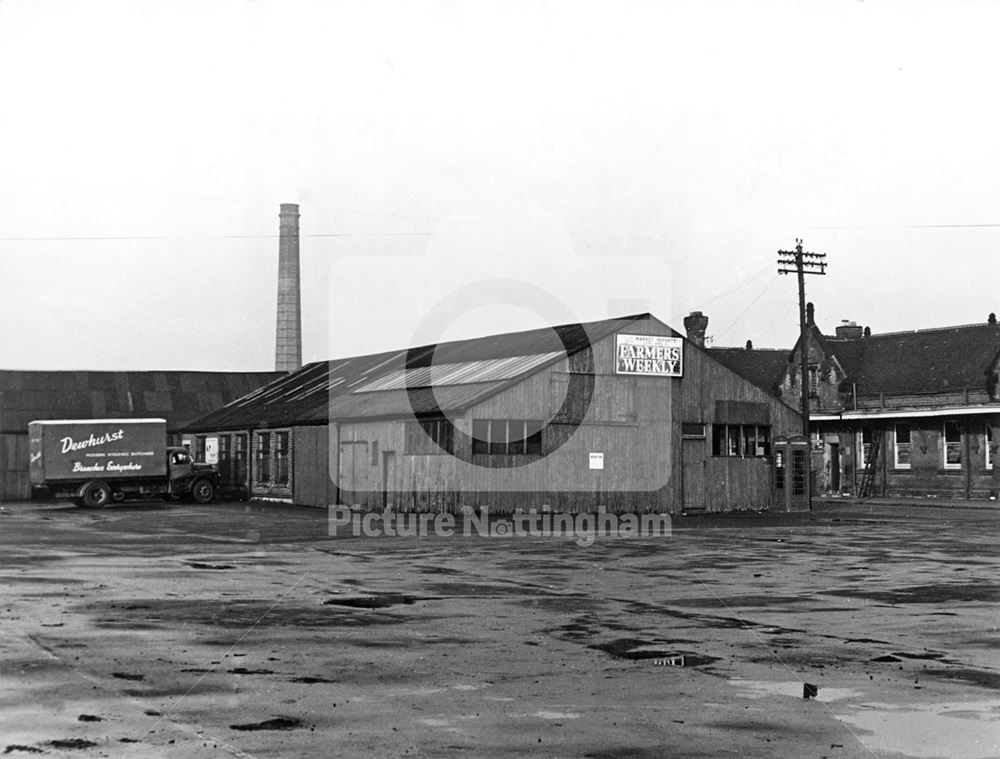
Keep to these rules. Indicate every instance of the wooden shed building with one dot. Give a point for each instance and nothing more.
(623, 414)
(176, 396)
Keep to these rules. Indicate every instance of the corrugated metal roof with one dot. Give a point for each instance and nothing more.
(462, 373)
(177, 397)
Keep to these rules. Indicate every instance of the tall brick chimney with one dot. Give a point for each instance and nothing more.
(695, 325)
(288, 338)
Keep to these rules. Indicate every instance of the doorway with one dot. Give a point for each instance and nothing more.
(835, 467)
(388, 478)
(693, 489)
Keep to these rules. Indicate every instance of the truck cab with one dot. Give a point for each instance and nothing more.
(188, 478)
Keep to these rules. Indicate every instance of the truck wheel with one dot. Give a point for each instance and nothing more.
(203, 491)
(96, 494)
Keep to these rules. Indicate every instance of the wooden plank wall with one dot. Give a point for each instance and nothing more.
(311, 482)
(733, 483)
(634, 421)
(14, 480)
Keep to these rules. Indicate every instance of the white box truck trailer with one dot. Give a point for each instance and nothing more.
(96, 461)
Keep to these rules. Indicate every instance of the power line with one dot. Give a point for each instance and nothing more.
(913, 226)
(131, 238)
(751, 305)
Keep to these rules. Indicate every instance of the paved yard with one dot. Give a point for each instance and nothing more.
(235, 630)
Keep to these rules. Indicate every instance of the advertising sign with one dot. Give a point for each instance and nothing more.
(211, 450)
(597, 461)
(95, 449)
(649, 355)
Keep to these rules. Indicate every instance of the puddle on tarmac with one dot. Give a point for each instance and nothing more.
(634, 649)
(958, 730)
(793, 688)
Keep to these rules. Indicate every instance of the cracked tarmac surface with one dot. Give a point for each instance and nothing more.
(150, 630)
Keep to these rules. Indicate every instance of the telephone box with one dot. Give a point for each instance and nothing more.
(791, 473)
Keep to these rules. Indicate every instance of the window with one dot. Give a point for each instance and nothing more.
(506, 437)
(799, 472)
(693, 429)
(429, 436)
(743, 440)
(814, 380)
(952, 445)
(281, 458)
(199, 448)
(226, 458)
(866, 444)
(373, 450)
(902, 436)
(989, 445)
(240, 458)
(263, 457)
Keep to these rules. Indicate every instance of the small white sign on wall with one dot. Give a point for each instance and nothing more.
(212, 450)
(597, 461)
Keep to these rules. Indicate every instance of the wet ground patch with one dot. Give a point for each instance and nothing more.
(239, 614)
(277, 723)
(761, 600)
(128, 676)
(71, 743)
(374, 600)
(475, 589)
(563, 602)
(978, 677)
(34, 580)
(954, 592)
(204, 565)
(656, 651)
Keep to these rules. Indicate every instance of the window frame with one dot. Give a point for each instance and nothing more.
(988, 440)
(263, 458)
(731, 441)
(280, 452)
(507, 437)
(951, 445)
(898, 446)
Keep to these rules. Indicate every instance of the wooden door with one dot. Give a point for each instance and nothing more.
(388, 478)
(693, 483)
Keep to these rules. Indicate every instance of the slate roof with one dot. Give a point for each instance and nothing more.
(175, 396)
(764, 367)
(342, 388)
(923, 361)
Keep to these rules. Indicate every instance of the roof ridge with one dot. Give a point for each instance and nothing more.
(912, 331)
(745, 349)
(552, 327)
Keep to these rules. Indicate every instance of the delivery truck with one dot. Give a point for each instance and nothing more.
(98, 461)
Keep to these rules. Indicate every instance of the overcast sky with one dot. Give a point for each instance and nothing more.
(474, 167)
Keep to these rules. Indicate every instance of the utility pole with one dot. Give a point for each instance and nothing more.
(802, 264)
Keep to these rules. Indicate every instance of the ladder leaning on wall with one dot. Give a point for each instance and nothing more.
(868, 477)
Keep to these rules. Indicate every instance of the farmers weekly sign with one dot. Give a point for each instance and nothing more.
(651, 355)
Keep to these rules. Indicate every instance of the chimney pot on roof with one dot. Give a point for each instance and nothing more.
(695, 325)
(810, 314)
(849, 330)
